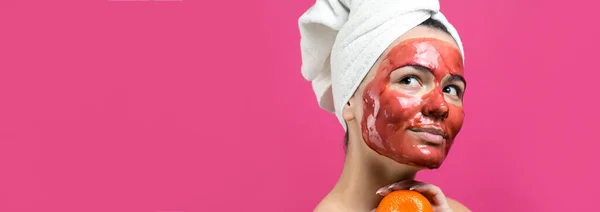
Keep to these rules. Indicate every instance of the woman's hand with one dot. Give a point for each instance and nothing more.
(431, 192)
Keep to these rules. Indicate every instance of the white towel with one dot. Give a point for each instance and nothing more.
(342, 39)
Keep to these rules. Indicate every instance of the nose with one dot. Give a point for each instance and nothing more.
(435, 105)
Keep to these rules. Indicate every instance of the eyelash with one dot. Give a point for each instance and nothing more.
(459, 92)
(411, 76)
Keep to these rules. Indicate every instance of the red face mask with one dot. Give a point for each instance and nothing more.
(413, 107)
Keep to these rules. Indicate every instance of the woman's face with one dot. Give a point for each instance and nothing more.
(412, 108)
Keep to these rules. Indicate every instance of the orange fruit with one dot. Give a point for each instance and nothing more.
(404, 201)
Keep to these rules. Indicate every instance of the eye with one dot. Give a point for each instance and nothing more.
(452, 90)
(410, 81)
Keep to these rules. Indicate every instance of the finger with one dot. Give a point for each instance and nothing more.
(432, 192)
(396, 186)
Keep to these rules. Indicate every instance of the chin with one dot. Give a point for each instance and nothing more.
(415, 162)
(422, 167)
(426, 164)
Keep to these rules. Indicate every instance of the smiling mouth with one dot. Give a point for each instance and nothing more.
(430, 134)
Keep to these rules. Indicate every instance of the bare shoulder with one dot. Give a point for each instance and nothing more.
(324, 207)
(329, 204)
(457, 206)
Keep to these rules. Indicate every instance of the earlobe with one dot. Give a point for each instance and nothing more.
(348, 112)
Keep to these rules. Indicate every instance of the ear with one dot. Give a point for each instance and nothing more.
(349, 111)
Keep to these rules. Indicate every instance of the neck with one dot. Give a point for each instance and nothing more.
(364, 172)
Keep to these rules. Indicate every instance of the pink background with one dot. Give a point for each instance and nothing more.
(199, 105)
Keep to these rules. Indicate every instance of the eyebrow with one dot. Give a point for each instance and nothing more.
(419, 67)
(458, 78)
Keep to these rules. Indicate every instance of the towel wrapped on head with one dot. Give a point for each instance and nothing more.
(342, 39)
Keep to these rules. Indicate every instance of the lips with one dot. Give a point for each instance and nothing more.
(430, 134)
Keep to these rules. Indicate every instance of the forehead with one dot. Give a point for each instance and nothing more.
(417, 32)
(437, 55)
(425, 32)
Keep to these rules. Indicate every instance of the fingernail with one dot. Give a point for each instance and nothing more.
(412, 188)
(381, 191)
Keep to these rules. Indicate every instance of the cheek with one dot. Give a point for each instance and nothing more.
(359, 109)
(455, 119)
(399, 107)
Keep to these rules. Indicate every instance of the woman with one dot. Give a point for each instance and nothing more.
(392, 71)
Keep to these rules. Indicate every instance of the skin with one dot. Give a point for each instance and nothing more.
(413, 105)
(369, 174)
